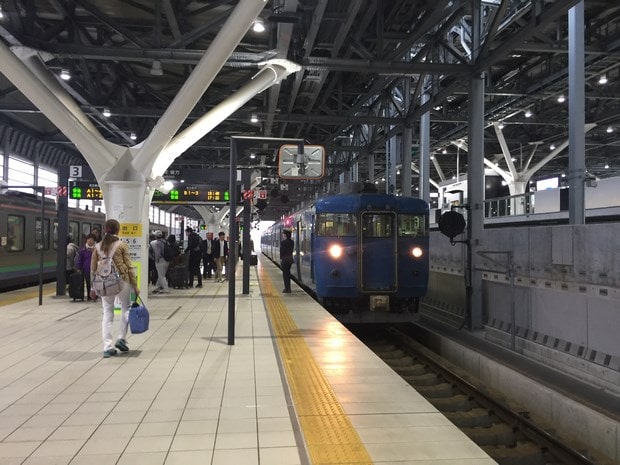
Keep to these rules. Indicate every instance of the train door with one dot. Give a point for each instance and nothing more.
(378, 252)
(298, 249)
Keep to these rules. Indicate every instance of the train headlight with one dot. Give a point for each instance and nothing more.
(417, 252)
(335, 250)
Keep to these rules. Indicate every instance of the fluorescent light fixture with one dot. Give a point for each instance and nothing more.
(106, 112)
(609, 129)
(444, 151)
(133, 136)
(252, 156)
(552, 147)
(254, 118)
(603, 79)
(65, 75)
(156, 68)
(528, 113)
(606, 166)
(258, 25)
(1, 12)
(500, 125)
(561, 99)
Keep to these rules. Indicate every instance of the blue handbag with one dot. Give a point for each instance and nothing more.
(138, 317)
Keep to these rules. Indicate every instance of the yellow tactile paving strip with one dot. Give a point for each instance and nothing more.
(328, 432)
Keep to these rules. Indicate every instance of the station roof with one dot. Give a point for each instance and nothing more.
(365, 65)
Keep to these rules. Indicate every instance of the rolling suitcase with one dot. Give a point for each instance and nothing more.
(253, 260)
(76, 286)
(179, 278)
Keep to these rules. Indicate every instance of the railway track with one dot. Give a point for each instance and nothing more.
(509, 437)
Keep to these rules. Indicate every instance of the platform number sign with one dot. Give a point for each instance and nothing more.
(75, 171)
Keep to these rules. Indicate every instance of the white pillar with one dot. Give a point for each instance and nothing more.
(128, 203)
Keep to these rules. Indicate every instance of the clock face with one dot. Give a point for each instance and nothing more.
(309, 165)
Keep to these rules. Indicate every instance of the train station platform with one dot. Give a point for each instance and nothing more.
(295, 388)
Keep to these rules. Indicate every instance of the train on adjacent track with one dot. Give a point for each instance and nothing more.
(365, 256)
(23, 235)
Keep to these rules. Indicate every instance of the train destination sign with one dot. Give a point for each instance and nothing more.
(84, 190)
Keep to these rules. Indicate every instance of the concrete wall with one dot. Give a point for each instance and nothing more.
(567, 283)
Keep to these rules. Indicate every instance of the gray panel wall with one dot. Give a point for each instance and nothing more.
(567, 281)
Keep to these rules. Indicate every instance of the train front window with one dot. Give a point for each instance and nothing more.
(336, 224)
(42, 237)
(16, 229)
(412, 226)
(377, 224)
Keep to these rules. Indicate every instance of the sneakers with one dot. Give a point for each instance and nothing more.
(110, 353)
(286, 291)
(121, 344)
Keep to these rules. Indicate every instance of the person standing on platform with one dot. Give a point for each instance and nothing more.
(96, 232)
(123, 265)
(195, 255)
(161, 265)
(83, 258)
(72, 251)
(207, 257)
(287, 247)
(220, 255)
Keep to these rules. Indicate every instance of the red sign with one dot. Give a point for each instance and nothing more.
(262, 194)
(247, 195)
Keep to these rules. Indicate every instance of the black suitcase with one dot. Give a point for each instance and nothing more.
(253, 260)
(76, 286)
(179, 277)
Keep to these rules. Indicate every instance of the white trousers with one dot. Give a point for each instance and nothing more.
(108, 316)
(162, 268)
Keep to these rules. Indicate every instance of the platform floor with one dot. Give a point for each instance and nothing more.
(295, 388)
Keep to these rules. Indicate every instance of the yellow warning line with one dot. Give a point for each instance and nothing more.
(328, 432)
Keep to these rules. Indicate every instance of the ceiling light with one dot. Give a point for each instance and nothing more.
(258, 26)
(156, 68)
(254, 118)
(610, 129)
(606, 166)
(444, 151)
(563, 175)
(1, 12)
(133, 136)
(432, 157)
(106, 112)
(561, 99)
(603, 79)
(528, 113)
(65, 75)
(252, 155)
(500, 125)
(552, 147)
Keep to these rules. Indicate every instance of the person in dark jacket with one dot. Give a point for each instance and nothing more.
(207, 257)
(195, 255)
(219, 247)
(82, 260)
(287, 246)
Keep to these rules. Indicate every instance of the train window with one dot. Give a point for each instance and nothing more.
(55, 235)
(16, 229)
(412, 225)
(74, 231)
(42, 235)
(377, 224)
(85, 231)
(336, 224)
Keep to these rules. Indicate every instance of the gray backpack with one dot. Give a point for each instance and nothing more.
(107, 280)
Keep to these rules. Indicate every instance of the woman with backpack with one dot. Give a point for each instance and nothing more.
(121, 262)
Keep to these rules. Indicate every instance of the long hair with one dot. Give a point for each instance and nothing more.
(111, 229)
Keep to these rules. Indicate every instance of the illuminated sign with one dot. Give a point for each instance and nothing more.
(193, 194)
(84, 190)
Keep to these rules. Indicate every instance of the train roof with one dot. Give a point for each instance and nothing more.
(346, 203)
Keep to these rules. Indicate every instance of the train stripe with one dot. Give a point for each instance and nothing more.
(328, 432)
(27, 267)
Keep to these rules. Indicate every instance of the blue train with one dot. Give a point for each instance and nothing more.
(365, 255)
